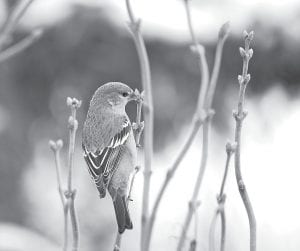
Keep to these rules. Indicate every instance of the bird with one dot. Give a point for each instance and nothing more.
(109, 146)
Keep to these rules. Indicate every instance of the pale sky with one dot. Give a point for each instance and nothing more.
(166, 19)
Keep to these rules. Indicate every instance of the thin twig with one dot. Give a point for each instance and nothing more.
(12, 21)
(212, 231)
(74, 221)
(223, 34)
(21, 45)
(138, 125)
(223, 229)
(200, 52)
(230, 149)
(239, 116)
(221, 197)
(70, 194)
(56, 147)
(134, 25)
(68, 197)
(117, 245)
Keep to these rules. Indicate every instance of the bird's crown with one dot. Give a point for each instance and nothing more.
(112, 87)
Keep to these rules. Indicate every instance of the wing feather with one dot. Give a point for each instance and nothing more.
(103, 163)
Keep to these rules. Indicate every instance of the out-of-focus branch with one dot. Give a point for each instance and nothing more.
(70, 194)
(119, 236)
(56, 147)
(221, 197)
(21, 45)
(12, 21)
(134, 26)
(200, 53)
(204, 104)
(9, 27)
(223, 34)
(239, 116)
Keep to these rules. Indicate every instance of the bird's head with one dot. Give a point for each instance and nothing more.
(113, 95)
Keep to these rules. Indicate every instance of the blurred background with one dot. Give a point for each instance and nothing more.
(87, 43)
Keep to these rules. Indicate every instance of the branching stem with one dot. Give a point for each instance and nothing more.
(70, 194)
(56, 147)
(239, 116)
(68, 197)
(9, 27)
(221, 197)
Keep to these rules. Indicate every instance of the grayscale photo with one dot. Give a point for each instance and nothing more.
(149, 125)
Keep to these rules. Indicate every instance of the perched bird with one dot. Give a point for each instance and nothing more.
(109, 146)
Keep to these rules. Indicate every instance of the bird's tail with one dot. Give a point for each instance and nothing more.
(122, 214)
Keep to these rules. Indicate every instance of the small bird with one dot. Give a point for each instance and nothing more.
(109, 146)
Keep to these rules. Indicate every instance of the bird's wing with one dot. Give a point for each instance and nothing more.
(103, 162)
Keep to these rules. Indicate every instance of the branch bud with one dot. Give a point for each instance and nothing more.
(245, 34)
(72, 123)
(251, 35)
(224, 30)
(242, 52)
(73, 102)
(230, 147)
(137, 169)
(198, 49)
(240, 79)
(221, 199)
(250, 53)
(135, 26)
(247, 78)
(52, 145)
(59, 144)
(55, 145)
(200, 116)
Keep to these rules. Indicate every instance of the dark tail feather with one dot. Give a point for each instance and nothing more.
(101, 187)
(122, 214)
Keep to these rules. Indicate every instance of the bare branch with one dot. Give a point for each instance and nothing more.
(221, 197)
(134, 26)
(12, 21)
(56, 147)
(200, 53)
(70, 194)
(223, 34)
(20, 46)
(239, 116)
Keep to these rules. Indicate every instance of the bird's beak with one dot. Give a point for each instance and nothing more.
(133, 96)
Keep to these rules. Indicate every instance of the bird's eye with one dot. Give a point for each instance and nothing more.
(125, 94)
